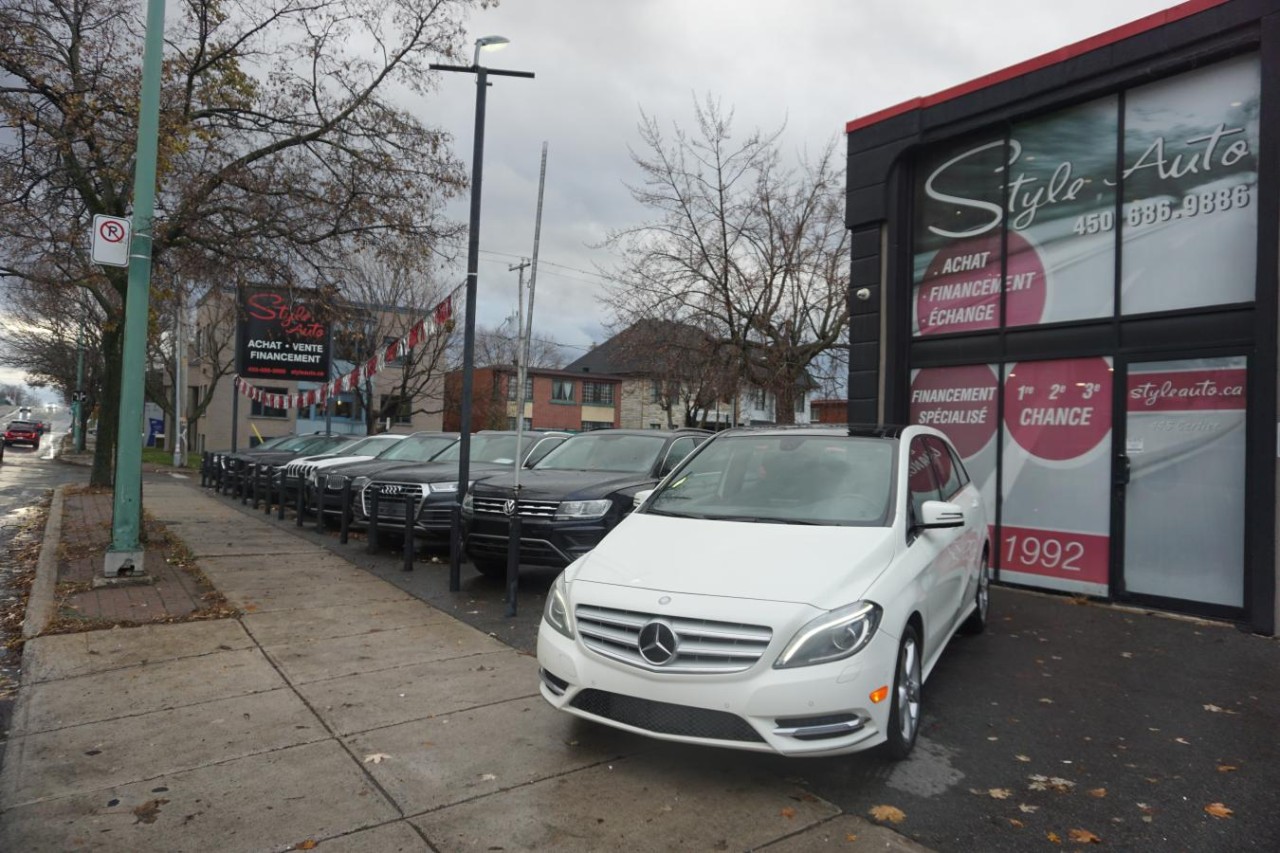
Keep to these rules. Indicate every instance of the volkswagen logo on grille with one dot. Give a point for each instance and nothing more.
(509, 506)
(658, 642)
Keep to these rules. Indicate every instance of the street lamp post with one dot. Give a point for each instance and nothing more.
(473, 262)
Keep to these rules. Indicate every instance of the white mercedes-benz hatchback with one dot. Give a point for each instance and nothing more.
(783, 590)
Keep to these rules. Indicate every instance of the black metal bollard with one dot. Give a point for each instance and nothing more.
(204, 469)
(513, 560)
(297, 505)
(408, 532)
(280, 504)
(373, 518)
(242, 486)
(322, 523)
(270, 488)
(345, 529)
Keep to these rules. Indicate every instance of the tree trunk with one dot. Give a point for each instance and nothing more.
(784, 396)
(104, 452)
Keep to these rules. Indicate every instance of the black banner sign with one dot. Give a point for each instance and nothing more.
(281, 335)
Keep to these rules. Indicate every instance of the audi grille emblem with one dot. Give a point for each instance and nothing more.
(391, 490)
(509, 506)
(658, 642)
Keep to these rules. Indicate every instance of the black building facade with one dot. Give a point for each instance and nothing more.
(1070, 266)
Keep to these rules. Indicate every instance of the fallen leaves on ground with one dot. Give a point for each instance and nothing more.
(1218, 810)
(376, 758)
(1083, 836)
(892, 814)
(1028, 809)
(1227, 768)
(309, 844)
(788, 812)
(1015, 823)
(1097, 792)
(1214, 709)
(1000, 793)
(1051, 783)
(150, 810)
(1054, 837)
(1182, 741)
(487, 777)
(1023, 758)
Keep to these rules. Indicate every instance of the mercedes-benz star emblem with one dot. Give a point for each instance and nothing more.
(509, 506)
(658, 642)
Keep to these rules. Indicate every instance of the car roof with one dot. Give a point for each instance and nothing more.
(20, 424)
(889, 431)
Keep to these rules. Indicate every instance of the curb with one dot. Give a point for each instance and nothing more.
(43, 589)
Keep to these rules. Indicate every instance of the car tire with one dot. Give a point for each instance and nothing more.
(904, 713)
(977, 621)
(491, 568)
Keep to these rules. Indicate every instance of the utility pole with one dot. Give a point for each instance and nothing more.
(124, 556)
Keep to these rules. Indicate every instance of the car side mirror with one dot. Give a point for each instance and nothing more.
(641, 497)
(937, 515)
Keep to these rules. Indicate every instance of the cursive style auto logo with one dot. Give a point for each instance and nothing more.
(658, 642)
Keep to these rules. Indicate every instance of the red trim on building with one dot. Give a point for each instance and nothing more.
(1044, 60)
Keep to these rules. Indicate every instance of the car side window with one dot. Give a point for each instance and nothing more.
(944, 465)
(922, 480)
(679, 449)
(961, 472)
(542, 448)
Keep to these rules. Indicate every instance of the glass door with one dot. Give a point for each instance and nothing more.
(1183, 480)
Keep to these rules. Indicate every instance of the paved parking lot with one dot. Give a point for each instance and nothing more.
(1065, 721)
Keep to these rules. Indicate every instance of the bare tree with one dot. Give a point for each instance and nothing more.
(741, 245)
(382, 299)
(278, 152)
(501, 344)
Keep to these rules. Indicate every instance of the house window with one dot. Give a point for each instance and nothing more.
(262, 410)
(344, 406)
(528, 423)
(587, 426)
(759, 399)
(597, 392)
(799, 404)
(655, 426)
(655, 391)
(399, 409)
(562, 391)
(512, 382)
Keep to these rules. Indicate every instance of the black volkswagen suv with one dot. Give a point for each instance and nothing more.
(570, 499)
(434, 484)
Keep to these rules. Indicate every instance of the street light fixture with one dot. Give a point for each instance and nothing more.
(473, 262)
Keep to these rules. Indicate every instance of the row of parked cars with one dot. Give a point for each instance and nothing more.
(573, 488)
(782, 590)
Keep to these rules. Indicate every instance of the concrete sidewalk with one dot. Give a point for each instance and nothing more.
(343, 714)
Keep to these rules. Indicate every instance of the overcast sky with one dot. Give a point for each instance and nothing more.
(813, 64)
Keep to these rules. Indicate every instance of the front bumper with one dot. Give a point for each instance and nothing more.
(543, 542)
(806, 711)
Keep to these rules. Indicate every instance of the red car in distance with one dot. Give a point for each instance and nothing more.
(22, 432)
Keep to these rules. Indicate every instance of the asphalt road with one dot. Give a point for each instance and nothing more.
(1062, 718)
(26, 476)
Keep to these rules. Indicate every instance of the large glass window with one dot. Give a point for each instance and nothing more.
(1021, 229)
(262, 410)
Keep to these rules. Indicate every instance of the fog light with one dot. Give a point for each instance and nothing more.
(878, 695)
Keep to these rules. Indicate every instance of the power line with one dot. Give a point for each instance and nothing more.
(546, 263)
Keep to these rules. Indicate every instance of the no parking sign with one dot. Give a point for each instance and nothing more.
(111, 240)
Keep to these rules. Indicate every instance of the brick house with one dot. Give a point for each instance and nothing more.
(556, 399)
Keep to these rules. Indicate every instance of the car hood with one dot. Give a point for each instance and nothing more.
(552, 485)
(821, 566)
(437, 472)
(330, 461)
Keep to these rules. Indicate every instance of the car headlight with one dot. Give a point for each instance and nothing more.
(468, 503)
(441, 488)
(583, 509)
(556, 611)
(836, 635)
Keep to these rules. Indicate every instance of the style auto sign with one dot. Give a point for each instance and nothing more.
(280, 336)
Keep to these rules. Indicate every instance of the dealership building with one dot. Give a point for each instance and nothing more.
(1070, 266)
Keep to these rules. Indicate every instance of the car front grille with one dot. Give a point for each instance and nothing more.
(528, 509)
(702, 646)
(664, 717)
(390, 498)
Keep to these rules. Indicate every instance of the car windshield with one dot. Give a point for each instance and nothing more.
(605, 451)
(319, 443)
(418, 448)
(496, 449)
(786, 479)
(289, 442)
(370, 446)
